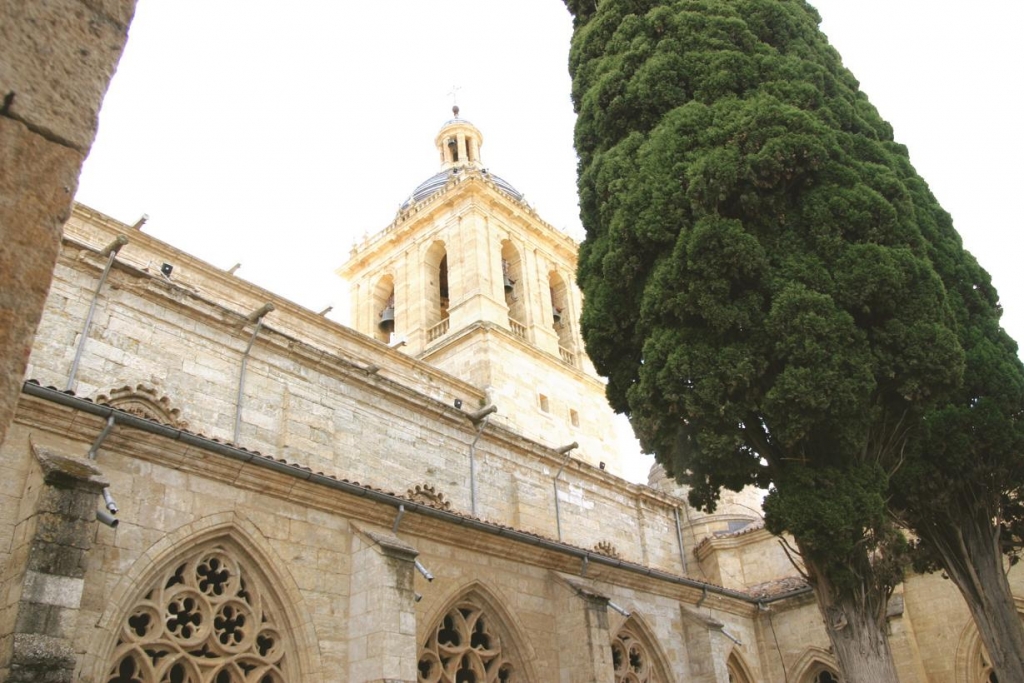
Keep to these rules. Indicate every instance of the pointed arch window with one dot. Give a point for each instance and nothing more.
(466, 646)
(632, 656)
(206, 619)
(973, 664)
(737, 670)
(821, 674)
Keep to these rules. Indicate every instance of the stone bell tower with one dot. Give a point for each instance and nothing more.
(471, 279)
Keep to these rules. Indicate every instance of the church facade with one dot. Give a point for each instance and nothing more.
(207, 483)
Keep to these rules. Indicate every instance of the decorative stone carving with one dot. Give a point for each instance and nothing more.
(606, 548)
(143, 401)
(425, 493)
(463, 647)
(203, 621)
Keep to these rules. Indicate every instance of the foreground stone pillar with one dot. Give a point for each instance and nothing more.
(56, 60)
(41, 589)
(382, 613)
(584, 640)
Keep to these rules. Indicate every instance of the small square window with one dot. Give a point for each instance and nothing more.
(574, 417)
(544, 403)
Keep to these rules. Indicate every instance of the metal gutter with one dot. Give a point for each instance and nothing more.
(235, 453)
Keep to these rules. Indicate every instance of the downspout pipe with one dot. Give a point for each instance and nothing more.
(108, 499)
(234, 453)
(564, 450)
(110, 251)
(679, 538)
(254, 317)
(479, 418)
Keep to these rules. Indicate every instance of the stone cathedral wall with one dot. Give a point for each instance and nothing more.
(309, 399)
(336, 566)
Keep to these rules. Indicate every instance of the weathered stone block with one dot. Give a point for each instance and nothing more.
(47, 589)
(60, 530)
(58, 58)
(40, 659)
(57, 559)
(47, 620)
(36, 186)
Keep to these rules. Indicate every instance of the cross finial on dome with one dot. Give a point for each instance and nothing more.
(455, 99)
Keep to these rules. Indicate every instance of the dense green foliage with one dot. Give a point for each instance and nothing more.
(759, 263)
(777, 299)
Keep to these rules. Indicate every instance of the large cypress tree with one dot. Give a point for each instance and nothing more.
(960, 485)
(773, 293)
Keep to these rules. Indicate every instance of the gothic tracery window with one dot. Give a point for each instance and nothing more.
(631, 658)
(465, 647)
(204, 620)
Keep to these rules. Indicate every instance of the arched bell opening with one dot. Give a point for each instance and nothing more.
(512, 284)
(560, 313)
(442, 289)
(438, 293)
(384, 308)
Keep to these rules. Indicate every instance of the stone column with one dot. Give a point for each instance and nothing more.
(41, 588)
(56, 59)
(382, 616)
(584, 640)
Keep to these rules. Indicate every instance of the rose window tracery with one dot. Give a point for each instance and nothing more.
(631, 660)
(203, 621)
(463, 648)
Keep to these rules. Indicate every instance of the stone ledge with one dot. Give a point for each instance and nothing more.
(66, 472)
(391, 546)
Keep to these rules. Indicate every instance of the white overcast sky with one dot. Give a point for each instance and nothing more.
(274, 134)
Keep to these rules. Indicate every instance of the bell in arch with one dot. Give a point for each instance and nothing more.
(505, 277)
(387, 319)
(556, 314)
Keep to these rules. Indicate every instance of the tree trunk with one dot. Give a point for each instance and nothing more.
(975, 565)
(856, 628)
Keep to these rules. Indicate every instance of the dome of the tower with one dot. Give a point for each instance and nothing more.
(458, 143)
(436, 183)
